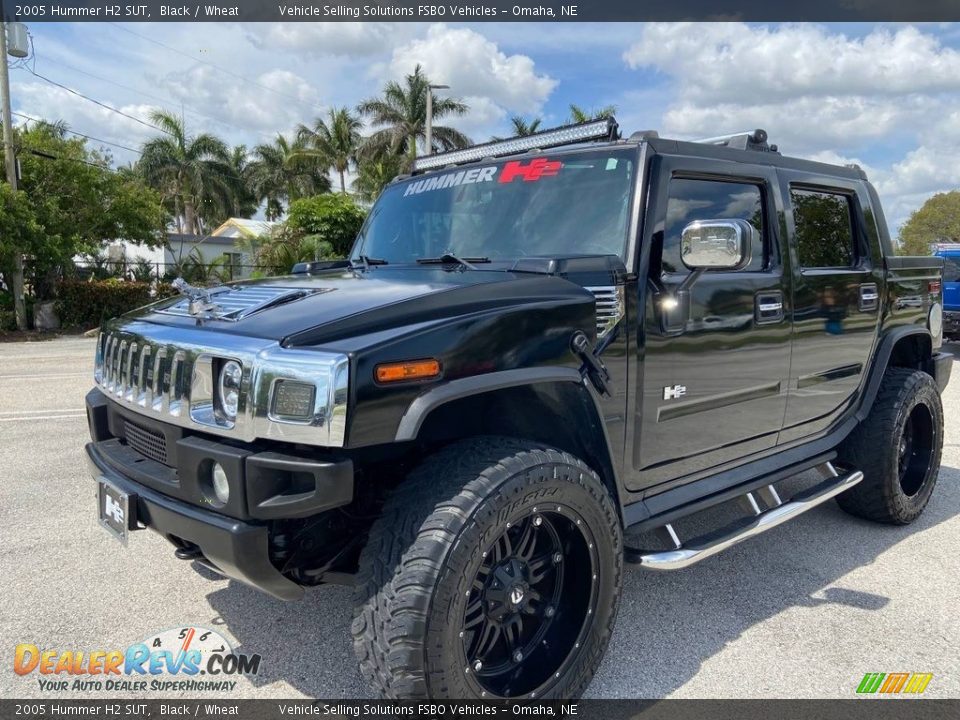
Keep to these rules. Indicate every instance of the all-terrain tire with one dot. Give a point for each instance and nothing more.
(419, 568)
(898, 449)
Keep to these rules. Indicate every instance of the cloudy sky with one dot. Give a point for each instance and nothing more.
(885, 96)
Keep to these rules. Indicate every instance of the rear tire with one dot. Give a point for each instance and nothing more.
(898, 449)
(494, 571)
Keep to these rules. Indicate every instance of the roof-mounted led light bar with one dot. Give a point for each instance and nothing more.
(605, 128)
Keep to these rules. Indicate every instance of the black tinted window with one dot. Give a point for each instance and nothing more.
(824, 229)
(539, 205)
(691, 200)
(951, 269)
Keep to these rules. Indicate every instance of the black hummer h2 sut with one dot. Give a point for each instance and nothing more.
(538, 350)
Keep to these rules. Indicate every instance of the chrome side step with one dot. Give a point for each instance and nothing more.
(758, 521)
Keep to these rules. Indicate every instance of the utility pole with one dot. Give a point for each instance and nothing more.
(429, 131)
(10, 161)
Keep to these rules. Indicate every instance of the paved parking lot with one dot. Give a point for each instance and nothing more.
(804, 611)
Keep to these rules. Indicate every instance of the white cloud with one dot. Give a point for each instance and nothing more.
(717, 60)
(820, 94)
(43, 101)
(475, 67)
(328, 38)
(290, 98)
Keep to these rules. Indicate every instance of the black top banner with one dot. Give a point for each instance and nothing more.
(482, 10)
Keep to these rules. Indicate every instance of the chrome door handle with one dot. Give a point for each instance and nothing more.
(768, 307)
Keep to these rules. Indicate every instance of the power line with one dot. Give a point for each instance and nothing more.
(169, 101)
(80, 134)
(297, 100)
(97, 102)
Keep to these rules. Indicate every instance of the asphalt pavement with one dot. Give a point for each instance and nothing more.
(803, 611)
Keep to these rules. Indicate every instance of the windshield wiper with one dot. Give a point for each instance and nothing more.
(366, 261)
(448, 258)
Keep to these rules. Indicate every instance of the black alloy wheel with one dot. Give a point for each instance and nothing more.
(529, 602)
(898, 448)
(494, 571)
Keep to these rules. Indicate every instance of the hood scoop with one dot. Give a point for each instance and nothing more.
(239, 301)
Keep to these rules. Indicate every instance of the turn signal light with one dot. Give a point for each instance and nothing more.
(412, 370)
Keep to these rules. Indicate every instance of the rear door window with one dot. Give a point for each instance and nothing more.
(824, 226)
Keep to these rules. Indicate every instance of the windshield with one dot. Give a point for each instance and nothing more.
(562, 205)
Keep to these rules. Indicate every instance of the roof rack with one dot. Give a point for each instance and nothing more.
(746, 140)
(602, 129)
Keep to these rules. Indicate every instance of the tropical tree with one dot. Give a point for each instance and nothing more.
(579, 114)
(244, 201)
(335, 140)
(937, 221)
(282, 171)
(374, 174)
(522, 128)
(333, 218)
(190, 171)
(400, 118)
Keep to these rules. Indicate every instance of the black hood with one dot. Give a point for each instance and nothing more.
(346, 303)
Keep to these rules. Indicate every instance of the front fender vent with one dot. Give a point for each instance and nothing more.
(610, 307)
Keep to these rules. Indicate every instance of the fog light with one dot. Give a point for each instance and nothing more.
(293, 400)
(221, 487)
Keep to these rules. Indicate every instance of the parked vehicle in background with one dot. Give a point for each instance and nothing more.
(539, 350)
(950, 252)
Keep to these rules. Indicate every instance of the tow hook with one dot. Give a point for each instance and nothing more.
(593, 366)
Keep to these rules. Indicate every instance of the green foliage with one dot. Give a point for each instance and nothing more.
(937, 221)
(70, 203)
(281, 172)
(193, 173)
(374, 175)
(332, 218)
(142, 270)
(400, 116)
(196, 270)
(579, 114)
(86, 304)
(285, 247)
(334, 141)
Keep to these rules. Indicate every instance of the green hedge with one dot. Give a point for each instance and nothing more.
(86, 304)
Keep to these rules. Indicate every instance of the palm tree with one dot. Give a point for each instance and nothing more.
(244, 201)
(373, 175)
(401, 116)
(522, 128)
(579, 114)
(282, 171)
(336, 141)
(189, 170)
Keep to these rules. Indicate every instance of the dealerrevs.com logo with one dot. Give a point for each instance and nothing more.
(180, 659)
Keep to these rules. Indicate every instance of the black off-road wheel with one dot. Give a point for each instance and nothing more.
(494, 571)
(898, 449)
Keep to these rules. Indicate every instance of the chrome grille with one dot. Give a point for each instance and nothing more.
(151, 376)
(169, 373)
(609, 307)
(146, 442)
(237, 302)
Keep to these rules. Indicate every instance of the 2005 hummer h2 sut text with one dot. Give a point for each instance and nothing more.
(539, 350)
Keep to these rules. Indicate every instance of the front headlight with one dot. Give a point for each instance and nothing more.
(228, 389)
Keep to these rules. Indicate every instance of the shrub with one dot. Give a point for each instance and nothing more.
(87, 304)
(333, 218)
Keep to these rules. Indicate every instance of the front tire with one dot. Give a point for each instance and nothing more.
(898, 449)
(494, 571)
